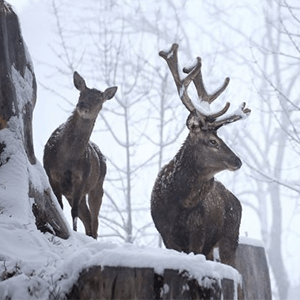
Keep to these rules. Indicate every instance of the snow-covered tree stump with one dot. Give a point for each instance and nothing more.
(144, 283)
(22, 178)
(126, 274)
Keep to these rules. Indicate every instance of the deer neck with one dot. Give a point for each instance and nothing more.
(77, 132)
(193, 181)
(191, 162)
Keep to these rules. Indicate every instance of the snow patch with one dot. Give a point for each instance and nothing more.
(202, 106)
(250, 241)
(170, 54)
(45, 264)
(166, 289)
(238, 112)
(13, 179)
(23, 86)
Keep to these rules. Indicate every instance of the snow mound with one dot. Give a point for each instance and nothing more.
(36, 265)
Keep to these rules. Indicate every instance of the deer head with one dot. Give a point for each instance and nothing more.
(202, 124)
(90, 100)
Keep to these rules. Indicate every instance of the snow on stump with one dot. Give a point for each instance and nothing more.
(129, 272)
(144, 283)
(25, 194)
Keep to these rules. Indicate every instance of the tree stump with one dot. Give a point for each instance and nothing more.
(144, 283)
(251, 262)
(17, 101)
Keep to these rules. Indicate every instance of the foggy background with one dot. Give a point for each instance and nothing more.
(114, 42)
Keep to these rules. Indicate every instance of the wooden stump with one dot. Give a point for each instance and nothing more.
(251, 262)
(144, 283)
(114, 283)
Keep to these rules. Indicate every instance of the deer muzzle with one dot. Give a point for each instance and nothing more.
(234, 164)
(82, 107)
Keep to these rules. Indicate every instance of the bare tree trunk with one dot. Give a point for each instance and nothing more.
(128, 180)
(17, 101)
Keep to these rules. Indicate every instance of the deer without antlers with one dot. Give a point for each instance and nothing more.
(75, 166)
(191, 210)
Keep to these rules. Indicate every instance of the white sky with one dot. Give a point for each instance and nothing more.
(38, 37)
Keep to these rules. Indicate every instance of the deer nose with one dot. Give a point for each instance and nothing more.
(82, 106)
(238, 163)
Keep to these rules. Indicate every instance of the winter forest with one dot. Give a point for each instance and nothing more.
(116, 43)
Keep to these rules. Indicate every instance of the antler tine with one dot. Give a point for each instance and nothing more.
(182, 84)
(201, 91)
(209, 98)
(219, 113)
(241, 113)
(217, 93)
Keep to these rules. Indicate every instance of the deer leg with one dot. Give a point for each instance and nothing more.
(75, 208)
(74, 213)
(230, 234)
(95, 201)
(229, 242)
(196, 242)
(85, 216)
(58, 195)
(57, 191)
(227, 250)
(197, 232)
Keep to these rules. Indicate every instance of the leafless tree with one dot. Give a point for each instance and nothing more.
(271, 147)
(141, 123)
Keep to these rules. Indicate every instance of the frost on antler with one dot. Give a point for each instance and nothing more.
(208, 120)
(240, 113)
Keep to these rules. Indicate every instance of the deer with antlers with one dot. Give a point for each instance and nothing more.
(192, 211)
(75, 166)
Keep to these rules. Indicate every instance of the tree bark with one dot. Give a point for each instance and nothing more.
(17, 100)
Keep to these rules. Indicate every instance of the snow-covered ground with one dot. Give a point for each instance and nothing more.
(34, 265)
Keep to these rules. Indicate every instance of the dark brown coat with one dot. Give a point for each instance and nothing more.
(75, 166)
(191, 210)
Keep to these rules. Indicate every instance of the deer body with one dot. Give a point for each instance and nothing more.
(75, 166)
(191, 210)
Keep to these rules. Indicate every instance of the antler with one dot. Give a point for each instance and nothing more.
(239, 114)
(182, 84)
(201, 91)
(208, 121)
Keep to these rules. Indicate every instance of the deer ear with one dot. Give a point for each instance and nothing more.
(193, 121)
(79, 82)
(110, 92)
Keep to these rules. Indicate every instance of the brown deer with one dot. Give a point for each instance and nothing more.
(191, 210)
(75, 166)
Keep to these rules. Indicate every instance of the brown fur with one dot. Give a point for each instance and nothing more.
(75, 166)
(191, 210)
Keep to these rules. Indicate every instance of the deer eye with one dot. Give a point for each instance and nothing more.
(213, 143)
